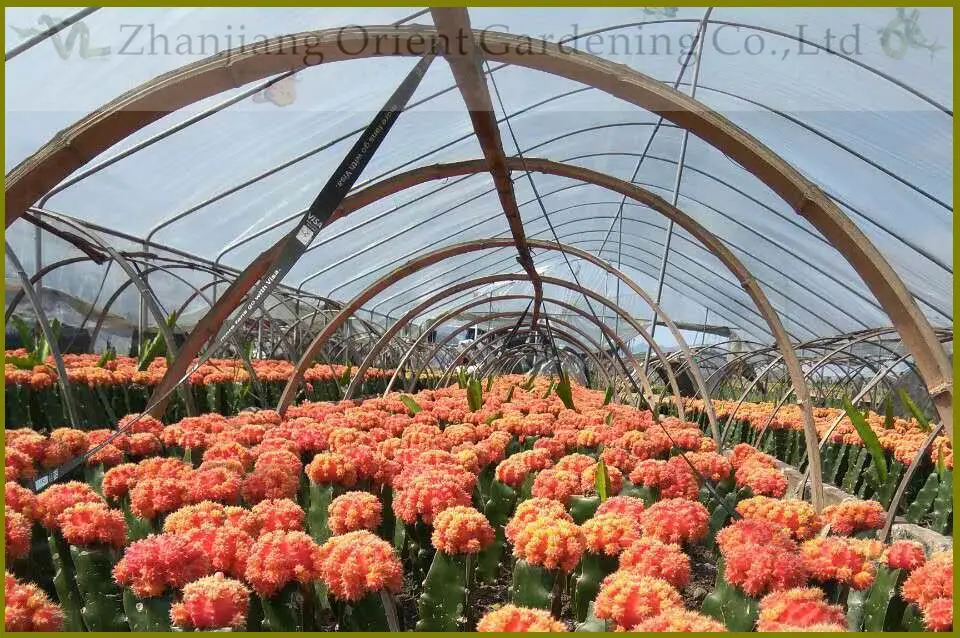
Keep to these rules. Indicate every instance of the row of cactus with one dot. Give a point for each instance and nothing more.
(42, 408)
(928, 499)
(322, 516)
(105, 387)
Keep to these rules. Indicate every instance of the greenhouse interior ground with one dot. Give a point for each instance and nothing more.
(479, 319)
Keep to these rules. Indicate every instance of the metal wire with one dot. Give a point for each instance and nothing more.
(50, 32)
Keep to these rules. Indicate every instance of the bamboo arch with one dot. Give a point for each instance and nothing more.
(709, 240)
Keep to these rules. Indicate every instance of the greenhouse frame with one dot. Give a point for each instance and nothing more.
(479, 319)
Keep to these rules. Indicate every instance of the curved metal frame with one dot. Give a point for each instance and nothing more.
(524, 330)
(916, 248)
(443, 294)
(882, 373)
(26, 183)
(146, 294)
(644, 380)
(505, 332)
(711, 302)
(824, 359)
(224, 305)
(490, 359)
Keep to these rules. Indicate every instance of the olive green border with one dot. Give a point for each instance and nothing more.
(527, 3)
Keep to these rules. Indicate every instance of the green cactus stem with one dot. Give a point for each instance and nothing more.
(730, 605)
(376, 611)
(36, 566)
(215, 398)
(102, 599)
(887, 488)
(255, 614)
(533, 586)
(284, 611)
(769, 444)
(593, 569)
(93, 475)
(943, 504)
(859, 457)
(794, 449)
(420, 550)
(592, 623)
(783, 442)
(923, 502)
(707, 498)
(582, 508)
(137, 528)
(484, 481)
(443, 602)
(513, 447)
(526, 487)
(726, 486)
(528, 443)
(399, 538)
(16, 406)
(649, 495)
(913, 619)
(836, 592)
(388, 523)
(318, 500)
(856, 602)
(883, 608)
(828, 458)
(840, 462)
(147, 614)
(720, 515)
(64, 581)
(497, 510)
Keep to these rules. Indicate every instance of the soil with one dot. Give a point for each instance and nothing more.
(485, 596)
(703, 575)
(407, 602)
(488, 596)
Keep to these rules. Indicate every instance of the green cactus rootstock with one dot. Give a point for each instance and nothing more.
(593, 569)
(582, 508)
(147, 614)
(497, 510)
(883, 608)
(284, 611)
(65, 584)
(318, 500)
(943, 504)
(532, 586)
(923, 501)
(102, 598)
(374, 612)
(730, 605)
(443, 603)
